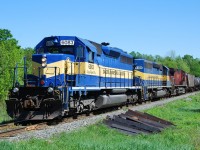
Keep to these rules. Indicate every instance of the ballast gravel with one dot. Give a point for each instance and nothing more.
(76, 124)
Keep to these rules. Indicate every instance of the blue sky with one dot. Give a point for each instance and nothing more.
(148, 26)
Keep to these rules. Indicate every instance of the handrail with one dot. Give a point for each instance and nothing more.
(55, 72)
(15, 77)
(105, 77)
(25, 72)
(71, 75)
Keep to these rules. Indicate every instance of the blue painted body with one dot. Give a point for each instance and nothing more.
(154, 71)
(106, 57)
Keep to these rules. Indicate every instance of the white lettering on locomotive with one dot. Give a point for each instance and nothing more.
(66, 42)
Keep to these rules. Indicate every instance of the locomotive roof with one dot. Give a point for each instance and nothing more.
(93, 46)
(145, 60)
(88, 44)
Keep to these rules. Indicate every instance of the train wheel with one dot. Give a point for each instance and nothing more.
(150, 96)
(80, 108)
(91, 106)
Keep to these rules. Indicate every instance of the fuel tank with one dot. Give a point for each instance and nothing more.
(161, 93)
(104, 101)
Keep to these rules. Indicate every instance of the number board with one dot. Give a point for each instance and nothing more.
(66, 42)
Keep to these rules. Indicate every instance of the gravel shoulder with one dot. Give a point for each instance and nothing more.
(76, 124)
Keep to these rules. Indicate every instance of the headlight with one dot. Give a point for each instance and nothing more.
(50, 90)
(44, 64)
(44, 61)
(15, 90)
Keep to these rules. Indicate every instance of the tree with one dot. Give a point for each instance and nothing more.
(181, 64)
(172, 54)
(169, 62)
(158, 59)
(5, 35)
(11, 53)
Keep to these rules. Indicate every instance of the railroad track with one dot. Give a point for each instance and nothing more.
(7, 126)
(10, 132)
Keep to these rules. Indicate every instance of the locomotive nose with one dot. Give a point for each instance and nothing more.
(50, 69)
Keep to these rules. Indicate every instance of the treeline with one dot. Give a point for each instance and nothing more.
(187, 62)
(10, 54)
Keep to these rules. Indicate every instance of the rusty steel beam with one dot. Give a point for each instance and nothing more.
(145, 119)
(134, 122)
(131, 124)
(140, 124)
(151, 117)
(122, 126)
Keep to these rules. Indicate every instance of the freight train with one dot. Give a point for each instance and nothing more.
(71, 75)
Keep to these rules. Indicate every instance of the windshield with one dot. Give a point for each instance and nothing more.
(60, 49)
(63, 49)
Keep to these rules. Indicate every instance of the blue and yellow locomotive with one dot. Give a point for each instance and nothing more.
(72, 75)
(153, 77)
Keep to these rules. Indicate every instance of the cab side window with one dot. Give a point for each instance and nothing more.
(79, 51)
(40, 51)
(90, 55)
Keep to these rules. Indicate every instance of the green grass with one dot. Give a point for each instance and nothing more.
(185, 136)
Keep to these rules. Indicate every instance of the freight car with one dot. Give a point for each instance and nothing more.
(182, 82)
(178, 80)
(71, 75)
